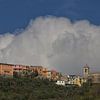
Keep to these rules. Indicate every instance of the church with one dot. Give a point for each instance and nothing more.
(94, 76)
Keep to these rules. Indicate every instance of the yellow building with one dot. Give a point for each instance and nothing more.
(79, 81)
(75, 80)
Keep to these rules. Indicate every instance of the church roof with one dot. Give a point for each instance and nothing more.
(86, 66)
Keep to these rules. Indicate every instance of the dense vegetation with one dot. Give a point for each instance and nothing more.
(36, 89)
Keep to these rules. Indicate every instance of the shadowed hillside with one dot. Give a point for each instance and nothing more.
(36, 89)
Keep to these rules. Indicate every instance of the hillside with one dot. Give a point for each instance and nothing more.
(36, 89)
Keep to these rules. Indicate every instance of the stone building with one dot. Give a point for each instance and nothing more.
(87, 74)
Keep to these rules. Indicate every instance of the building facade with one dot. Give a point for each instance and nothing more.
(75, 80)
(6, 70)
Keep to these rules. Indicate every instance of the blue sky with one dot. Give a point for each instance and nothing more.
(61, 41)
(16, 14)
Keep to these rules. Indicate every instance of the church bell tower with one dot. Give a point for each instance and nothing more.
(86, 71)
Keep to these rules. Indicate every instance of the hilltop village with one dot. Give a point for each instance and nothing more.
(12, 70)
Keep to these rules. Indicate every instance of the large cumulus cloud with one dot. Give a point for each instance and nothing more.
(53, 42)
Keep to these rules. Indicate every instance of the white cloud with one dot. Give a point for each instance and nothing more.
(53, 42)
(5, 40)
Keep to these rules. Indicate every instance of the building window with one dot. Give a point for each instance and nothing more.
(6, 71)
